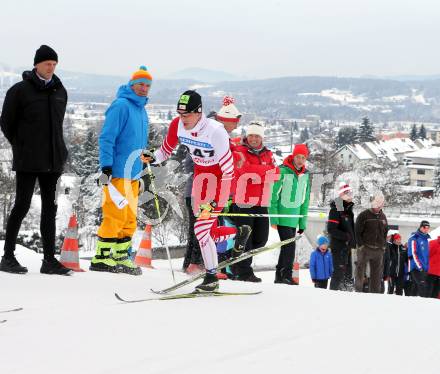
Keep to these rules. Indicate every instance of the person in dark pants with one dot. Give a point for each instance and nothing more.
(340, 228)
(32, 121)
(192, 262)
(290, 196)
(256, 161)
(321, 263)
(371, 232)
(418, 254)
(386, 267)
(399, 280)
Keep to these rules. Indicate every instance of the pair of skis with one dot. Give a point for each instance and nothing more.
(9, 311)
(191, 295)
(220, 266)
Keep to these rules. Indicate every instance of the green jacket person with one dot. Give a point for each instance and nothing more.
(290, 195)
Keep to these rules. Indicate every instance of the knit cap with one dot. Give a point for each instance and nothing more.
(45, 53)
(141, 76)
(228, 112)
(300, 149)
(322, 240)
(255, 128)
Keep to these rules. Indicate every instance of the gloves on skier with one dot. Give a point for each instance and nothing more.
(205, 210)
(148, 155)
(105, 177)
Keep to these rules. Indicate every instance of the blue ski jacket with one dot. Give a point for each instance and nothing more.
(418, 251)
(321, 265)
(124, 134)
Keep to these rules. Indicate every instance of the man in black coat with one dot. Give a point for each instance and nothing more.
(340, 228)
(32, 121)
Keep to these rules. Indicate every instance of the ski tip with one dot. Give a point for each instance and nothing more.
(157, 292)
(118, 297)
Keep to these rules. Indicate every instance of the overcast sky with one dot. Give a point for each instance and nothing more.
(253, 38)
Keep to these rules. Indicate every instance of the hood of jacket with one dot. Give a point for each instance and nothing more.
(125, 92)
(288, 161)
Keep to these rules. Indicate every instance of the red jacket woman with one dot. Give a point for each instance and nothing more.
(255, 171)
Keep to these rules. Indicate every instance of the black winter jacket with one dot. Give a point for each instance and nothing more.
(340, 225)
(371, 229)
(399, 260)
(32, 121)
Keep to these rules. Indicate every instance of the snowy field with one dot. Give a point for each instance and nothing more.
(75, 325)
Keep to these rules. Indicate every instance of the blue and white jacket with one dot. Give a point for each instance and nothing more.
(418, 251)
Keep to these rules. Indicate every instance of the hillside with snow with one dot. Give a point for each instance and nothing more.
(75, 325)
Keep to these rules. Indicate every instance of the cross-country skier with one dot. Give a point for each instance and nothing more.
(208, 145)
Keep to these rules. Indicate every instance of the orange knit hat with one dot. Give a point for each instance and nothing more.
(141, 76)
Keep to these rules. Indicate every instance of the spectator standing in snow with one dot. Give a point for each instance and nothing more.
(340, 228)
(321, 263)
(290, 196)
(386, 265)
(434, 267)
(252, 194)
(398, 281)
(228, 115)
(124, 134)
(418, 254)
(371, 232)
(32, 121)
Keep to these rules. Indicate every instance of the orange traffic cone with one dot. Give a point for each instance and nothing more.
(69, 253)
(144, 254)
(295, 273)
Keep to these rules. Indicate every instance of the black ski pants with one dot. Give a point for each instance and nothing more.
(420, 283)
(287, 252)
(340, 265)
(25, 184)
(257, 239)
(434, 282)
(321, 283)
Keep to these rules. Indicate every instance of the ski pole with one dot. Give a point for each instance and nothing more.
(156, 203)
(321, 215)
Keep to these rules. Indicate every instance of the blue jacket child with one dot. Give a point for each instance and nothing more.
(321, 261)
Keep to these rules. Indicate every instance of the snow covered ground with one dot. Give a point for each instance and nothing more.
(75, 325)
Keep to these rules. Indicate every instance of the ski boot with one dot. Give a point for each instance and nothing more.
(123, 262)
(209, 284)
(102, 260)
(241, 238)
(283, 277)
